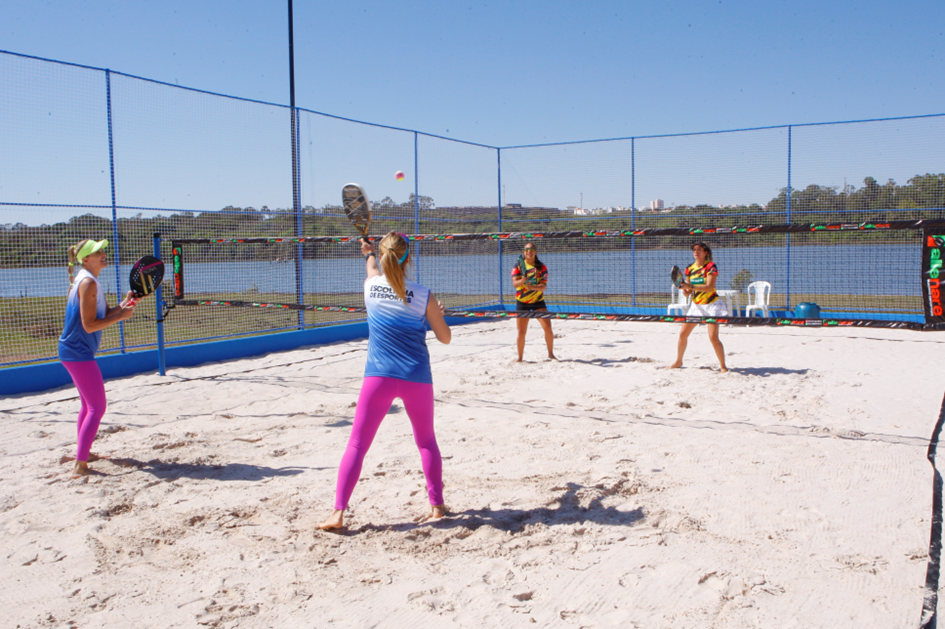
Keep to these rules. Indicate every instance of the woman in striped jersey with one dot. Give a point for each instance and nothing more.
(701, 277)
(530, 279)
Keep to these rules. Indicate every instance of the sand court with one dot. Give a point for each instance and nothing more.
(601, 490)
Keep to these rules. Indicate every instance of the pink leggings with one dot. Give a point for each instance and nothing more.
(373, 403)
(88, 380)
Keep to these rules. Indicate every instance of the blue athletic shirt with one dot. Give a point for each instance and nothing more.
(397, 332)
(75, 344)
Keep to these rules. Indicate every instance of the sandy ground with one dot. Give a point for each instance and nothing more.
(598, 491)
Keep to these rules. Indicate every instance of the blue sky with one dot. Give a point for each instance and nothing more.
(513, 73)
(509, 73)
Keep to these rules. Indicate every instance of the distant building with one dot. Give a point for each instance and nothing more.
(656, 204)
(581, 211)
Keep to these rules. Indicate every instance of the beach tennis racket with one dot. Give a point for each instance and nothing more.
(146, 275)
(678, 277)
(357, 207)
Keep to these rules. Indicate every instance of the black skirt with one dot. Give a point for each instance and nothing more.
(538, 305)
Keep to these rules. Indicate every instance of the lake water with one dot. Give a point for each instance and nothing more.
(839, 269)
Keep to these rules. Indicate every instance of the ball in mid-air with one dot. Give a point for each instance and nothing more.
(399, 175)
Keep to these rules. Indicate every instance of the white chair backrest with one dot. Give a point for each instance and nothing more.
(759, 293)
(678, 297)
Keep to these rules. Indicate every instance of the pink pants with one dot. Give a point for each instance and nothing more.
(88, 380)
(373, 403)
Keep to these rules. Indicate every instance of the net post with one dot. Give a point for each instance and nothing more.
(158, 306)
(177, 251)
(933, 571)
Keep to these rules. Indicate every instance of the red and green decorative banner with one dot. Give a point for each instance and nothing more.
(933, 257)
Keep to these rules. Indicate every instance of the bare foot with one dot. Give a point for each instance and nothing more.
(439, 511)
(723, 370)
(675, 365)
(65, 458)
(552, 357)
(81, 469)
(335, 521)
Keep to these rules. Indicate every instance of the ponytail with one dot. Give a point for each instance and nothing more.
(395, 249)
(72, 261)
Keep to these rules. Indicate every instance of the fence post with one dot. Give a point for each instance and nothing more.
(498, 157)
(297, 203)
(416, 207)
(787, 292)
(633, 206)
(158, 309)
(111, 167)
(296, 192)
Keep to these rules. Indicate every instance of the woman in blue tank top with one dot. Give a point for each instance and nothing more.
(398, 366)
(87, 314)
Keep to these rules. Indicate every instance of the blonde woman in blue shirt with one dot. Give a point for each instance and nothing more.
(87, 314)
(398, 366)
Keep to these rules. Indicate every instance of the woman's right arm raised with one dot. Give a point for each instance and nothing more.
(437, 323)
(370, 258)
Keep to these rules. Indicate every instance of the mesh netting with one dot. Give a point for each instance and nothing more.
(590, 272)
(90, 153)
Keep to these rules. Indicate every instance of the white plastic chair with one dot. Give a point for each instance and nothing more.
(730, 297)
(680, 301)
(759, 294)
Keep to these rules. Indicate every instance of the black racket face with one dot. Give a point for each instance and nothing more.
(677, 276)
(146, 275)
(357, 207)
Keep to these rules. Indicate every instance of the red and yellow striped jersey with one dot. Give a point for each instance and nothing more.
(527, 294)
(698, 276)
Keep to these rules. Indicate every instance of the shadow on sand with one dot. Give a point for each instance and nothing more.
(201, 471)
(608, 362)
(767, 371)
(566, 509)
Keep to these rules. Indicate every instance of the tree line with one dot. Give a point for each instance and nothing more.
(923, 196)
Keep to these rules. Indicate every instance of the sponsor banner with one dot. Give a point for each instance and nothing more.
(178, 253)
(933, 257)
